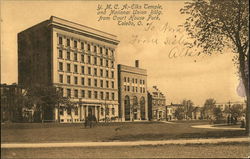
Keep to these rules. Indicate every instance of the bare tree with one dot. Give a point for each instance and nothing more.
(217, 24)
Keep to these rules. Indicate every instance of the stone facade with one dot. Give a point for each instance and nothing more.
(132, 84)
(79, 60)
(156, 104)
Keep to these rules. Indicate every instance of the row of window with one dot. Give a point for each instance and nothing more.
(90, 94)
(76, 70)
(95, 81)
(85, 46)
(159, 102)
(134, 80)
(90, 59)
(69, 111)
(134, 89)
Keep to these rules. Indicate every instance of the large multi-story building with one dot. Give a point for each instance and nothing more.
(156, 104)
(79, 60)
(132, 84)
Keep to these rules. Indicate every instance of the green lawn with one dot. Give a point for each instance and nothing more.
(232, 150)
(53, 132)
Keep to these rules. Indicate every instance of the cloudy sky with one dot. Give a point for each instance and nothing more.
(160, 50)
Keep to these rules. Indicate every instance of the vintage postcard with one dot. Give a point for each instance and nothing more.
(125, 79)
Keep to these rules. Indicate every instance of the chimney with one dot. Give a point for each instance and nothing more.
(137, 63)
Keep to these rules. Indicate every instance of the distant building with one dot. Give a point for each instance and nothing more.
(10, 103)
(132, 84)
(79, 60)
(197, 113)
(170, 109)
(156, 104)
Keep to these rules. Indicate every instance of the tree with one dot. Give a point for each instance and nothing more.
(235, 110)
(208, 107)
(179, 113)
(217, 112)
(45, 99)
(217, 24)
(188, 108)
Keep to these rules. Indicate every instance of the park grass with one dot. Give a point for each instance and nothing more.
(126, 131)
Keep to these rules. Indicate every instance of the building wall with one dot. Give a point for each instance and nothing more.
(50, 47)
(132, 83)
(34, 55)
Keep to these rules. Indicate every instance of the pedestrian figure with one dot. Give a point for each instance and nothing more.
(228, 120)
(232, 119)
(242, 122)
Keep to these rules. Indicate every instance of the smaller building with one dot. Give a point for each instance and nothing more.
(156, 104)
(170, 111)
(132, 93)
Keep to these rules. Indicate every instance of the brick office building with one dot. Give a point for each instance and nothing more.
(156, 104)
(132, 92)
(80, 60)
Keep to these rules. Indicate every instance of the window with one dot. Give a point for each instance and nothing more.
(101, 95)
(101, 83)
(83, 81)
(68, 55)
(89, 94)
(95, 49)
(76, 93)
(113, 96)
(107, 63)
(88, 47)
(95, 60)
(75, 68)
(140, 90)
(83, 93)
(107, 84)
(68, 93)
(68, 79)
(107, 73)
(101, 72)
(89, 82)
(113, 111)
(95, 71)
(68, 67)
(125, 79)
(75, 43)
(68, 42)
(133, 89)
(96, 94)
(60, 66)
(112, 64)
(82, 45)
(127, 88)
(89, 59)
(82, 58)
(107, 52)
(143, 90)
(75, 56)
(101, 50)
(82, 69)
(101, 62)
(113, 84)
(107, 111)
(136, 89)
(89, 70)
(76, 80)
(61, 78)
(132, 80)
(68, 111)
(128, 79)
(107, 95)
(112, 74)
(60, 40)
(112, 53)
(61, 111)
(60, 54)
(136, 81)
(76, 111)
(95, 82)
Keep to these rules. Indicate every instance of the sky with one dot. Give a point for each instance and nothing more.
(159, 48)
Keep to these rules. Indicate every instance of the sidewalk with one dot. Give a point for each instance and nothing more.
(126, 143)
(214, 127)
